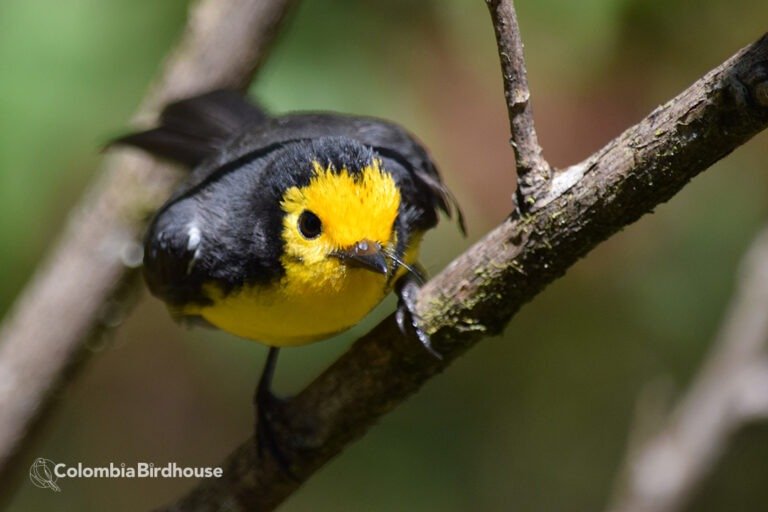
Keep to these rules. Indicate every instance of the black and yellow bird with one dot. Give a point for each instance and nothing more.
(289, 229)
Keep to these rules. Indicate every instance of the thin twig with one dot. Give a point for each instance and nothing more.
(533, 171)
(730, 390)
(477, 294)
(75, 291)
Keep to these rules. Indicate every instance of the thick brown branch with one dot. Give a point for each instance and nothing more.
(479, 292)
(533, 171)
(664, 471)
(68, 298)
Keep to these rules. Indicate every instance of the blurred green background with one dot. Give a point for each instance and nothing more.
(535, 420)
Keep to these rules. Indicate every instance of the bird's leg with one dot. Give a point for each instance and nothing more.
(407, 287)
(267, 405)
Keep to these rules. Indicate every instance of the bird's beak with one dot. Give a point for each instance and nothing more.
(364, 254)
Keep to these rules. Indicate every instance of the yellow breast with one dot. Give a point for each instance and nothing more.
(295, 314)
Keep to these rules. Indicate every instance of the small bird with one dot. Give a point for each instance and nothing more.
(289, 229)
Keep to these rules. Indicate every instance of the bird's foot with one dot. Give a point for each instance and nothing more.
(268, 410)
(407, 288)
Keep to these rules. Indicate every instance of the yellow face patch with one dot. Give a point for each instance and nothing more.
(350, 207)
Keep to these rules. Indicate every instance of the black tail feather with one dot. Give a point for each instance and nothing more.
(193, 129)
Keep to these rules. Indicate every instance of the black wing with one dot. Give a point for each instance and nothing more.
(171, 253)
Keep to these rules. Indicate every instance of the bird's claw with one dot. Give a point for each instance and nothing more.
(268, 408)
(407, 289)
(266, 405)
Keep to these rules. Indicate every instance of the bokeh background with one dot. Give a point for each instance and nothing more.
(534, 420)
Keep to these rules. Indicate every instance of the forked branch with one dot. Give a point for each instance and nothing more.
(533, 171)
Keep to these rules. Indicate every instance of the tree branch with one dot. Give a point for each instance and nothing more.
(477, 294)
(533, 171)
(729, 391)
(69, 297)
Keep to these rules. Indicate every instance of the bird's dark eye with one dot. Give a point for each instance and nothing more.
(309, 225)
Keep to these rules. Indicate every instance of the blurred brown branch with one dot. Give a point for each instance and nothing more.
(477, 294)
(533, 171)
(731, 389)
(86, 274)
